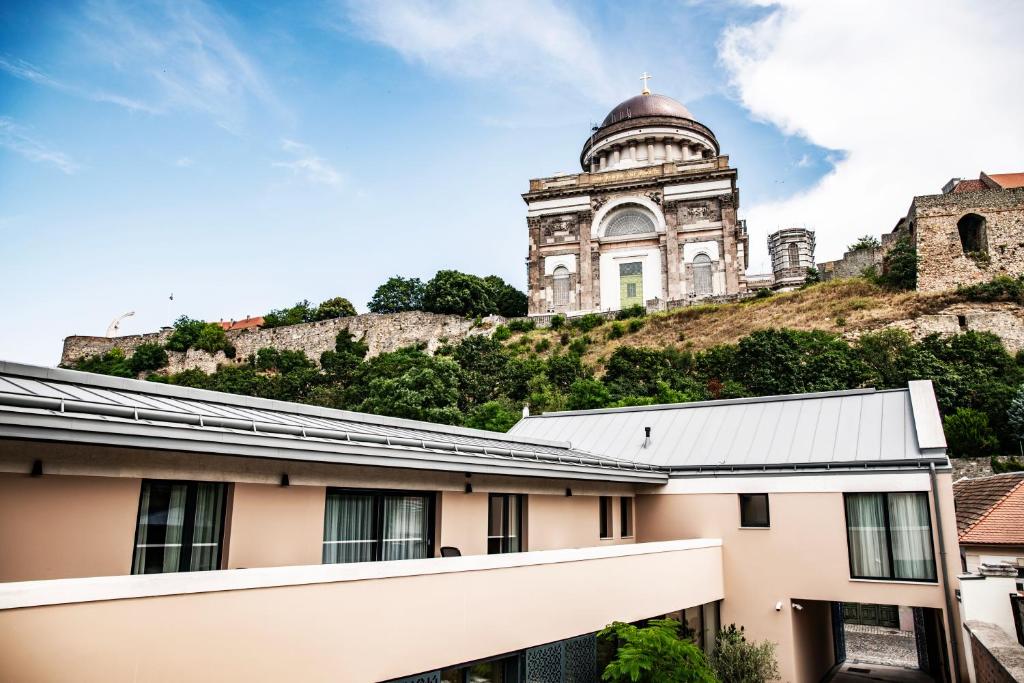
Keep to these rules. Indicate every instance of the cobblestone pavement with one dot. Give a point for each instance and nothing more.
(880, 645)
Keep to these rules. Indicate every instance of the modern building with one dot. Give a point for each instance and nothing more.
(155, 532)
(650, 220)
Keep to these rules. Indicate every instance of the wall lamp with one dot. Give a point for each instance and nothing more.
(284, 480)
(469, 484)
(37, 468)
(568, 492)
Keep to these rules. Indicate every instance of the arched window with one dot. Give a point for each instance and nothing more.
(702, 275)
(973, 237)
(629, 222)
(794, 255)
(561, 286)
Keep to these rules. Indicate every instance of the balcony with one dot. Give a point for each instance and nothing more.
(352, 622)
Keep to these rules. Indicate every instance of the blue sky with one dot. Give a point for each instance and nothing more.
(245, 156)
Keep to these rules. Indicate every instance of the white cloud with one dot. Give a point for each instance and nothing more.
(184, 162)
(17, 139)
(804, 161)
(19, 68)
(912, 93)
(308, 165)
(527, 43)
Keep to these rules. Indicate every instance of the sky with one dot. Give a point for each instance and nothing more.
(219, 160)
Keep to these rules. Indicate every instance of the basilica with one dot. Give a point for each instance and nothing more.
(650, 220)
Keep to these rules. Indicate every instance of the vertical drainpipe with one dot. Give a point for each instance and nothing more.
(954, 633)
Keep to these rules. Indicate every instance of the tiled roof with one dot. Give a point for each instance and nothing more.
(243, 324)
(990, 509)
(972, 185)
(1007, 180)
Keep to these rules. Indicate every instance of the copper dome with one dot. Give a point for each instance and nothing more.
(646, 105)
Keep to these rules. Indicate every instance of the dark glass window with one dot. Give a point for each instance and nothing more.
(180, 527)
(503, 670)
(504, 523)
(754, 510)
(606, 517)
(367, 526)
(890, 536)
(626, 516)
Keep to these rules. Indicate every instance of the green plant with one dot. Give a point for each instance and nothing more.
(1004, 465)
(396, 295)
(634, 311)
(864, 243)
(586, 322)
(186, 332)
(557, 321)
(564, 339)
(999, 288)
(113, 362)
(981, 258)
(1015, 414)
(338, 307)
(501, 333)
(654, 654)
(968, 434)
(496, 416)
(452, 292)
(521, 325)
(763, 293)
(812, 277)
(840, 321)
(509, 302)
(737, 661)
(211, 339)
(301, 312)
(616, 330)
(147, 358)
(542, 345)
(579, 344)
(899, 266)
(635, 325)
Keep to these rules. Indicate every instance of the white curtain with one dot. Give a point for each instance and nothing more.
(911, 533)
(405, 527)
(865, 520)
(161, 521)
(206, 534)
(349, 528)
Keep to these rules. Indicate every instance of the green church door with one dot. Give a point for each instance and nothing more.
(631, 284)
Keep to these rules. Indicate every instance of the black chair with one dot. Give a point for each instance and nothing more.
(450, 551)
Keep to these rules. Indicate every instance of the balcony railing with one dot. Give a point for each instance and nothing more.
(351, 622)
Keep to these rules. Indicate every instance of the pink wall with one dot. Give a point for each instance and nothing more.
(55, 527)
(569, 522)
(272, 526)
(463, 522)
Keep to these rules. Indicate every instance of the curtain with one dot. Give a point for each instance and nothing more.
(405, 527)
(911, 533)
(865, 521)
(208, 519)
(514, 517)
(349, 528)
(161, 520)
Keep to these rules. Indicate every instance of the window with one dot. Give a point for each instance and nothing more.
(180, 527)
(626, 517)
(889, 536)
(794, 255)
(560, 286)
(702, 285)
(754, 510)
(502, 670)
(606, 517)
(629, 222)
(504, 523)
(973, 234)
(369, 526)
(631, 283)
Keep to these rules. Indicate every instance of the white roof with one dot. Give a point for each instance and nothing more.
(856, 428)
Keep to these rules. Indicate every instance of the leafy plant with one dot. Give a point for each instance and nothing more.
(396, 295)
(864, 243)
(968, 434)
(738, 661)
(587, 322)
(496, 416)
(635, 325)
(521, 325)
(616, 330)
(147, 358)
(812, 277)
(899, 266)
(458, 293)
(655, 654)
(338, 307)
(501, 333)
(634, 311)
(557, 321)
(509, 302)
(301, 312)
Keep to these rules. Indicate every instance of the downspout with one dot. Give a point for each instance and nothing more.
(954, 633)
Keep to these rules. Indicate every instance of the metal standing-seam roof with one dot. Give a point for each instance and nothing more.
(67, 405)
(855, 428)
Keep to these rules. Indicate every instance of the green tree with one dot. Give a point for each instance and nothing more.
(864, 243)
(737, 661)
(301, 312)
(813, 277)
(496, 416)
(147, 358)
(458, 293)
(899, 266)
(113, 362)
(633, 371)
(508, 301)
(396, 295)
(211, 339)
(654, 654)
(337, 307)
(186, 332)
(968, 434)
(1015, 414)
(587, 393)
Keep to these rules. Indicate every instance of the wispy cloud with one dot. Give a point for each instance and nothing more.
(308, 165)
(183, 162)
(529, 43)
(19, 68)
(804, 161)
(17, 139)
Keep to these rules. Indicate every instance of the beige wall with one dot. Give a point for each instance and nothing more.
(462, 522)
(348, 630)
(569, 522)
(812, 635)
(54, 527)
(272, 526)
(802, 556)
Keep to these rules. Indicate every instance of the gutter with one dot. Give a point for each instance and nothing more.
(946, 589)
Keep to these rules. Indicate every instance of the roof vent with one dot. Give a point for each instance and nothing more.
(647, 437)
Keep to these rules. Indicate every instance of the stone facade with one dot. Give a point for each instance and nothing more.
(852, 264)
(652, 218)
(382, 333)
(965, 238)
(792, 254)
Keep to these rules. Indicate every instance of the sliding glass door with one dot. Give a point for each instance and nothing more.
(504, 523)
(367, 526)
(179, 528)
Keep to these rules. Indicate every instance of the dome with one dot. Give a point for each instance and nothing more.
(646, 105)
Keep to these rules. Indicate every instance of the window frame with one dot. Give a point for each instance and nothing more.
(767, 511)
(505, 538)
(627, 513)
(378, 496)
(888, 537)
(188, 526)
(606, 515)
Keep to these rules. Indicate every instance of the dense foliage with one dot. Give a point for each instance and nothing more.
(396, 295)
(196, 334)
(304, 312)
(899, 266)
(864, 243)
(999, 288)
(655, 654)
(450, 292)
(738, 661)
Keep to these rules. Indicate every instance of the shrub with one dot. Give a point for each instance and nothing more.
(509, 302)
(147, 358)
(338, 307)
(501, 333)
(634, 311)
(455, 293)
(542, 346)
(588, 393)
(999, 288)
(737, 661)
(899, 266)
(113, 362)
(557, 322)
(616, 330)
(968, 434)
(585, 323)
(1015, 414)
(186, 332)
(1004, 465)
(301, 312)
(396, 295)
(812, 277)
(579, 345)
(521, 325)
(654, 654)
(763, 293)
(864, 243)
(211, 339)
(635, 325)
(495, 416)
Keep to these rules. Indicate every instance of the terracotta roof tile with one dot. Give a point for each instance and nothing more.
(1007, 180)
(991, 510)
(973, 185)
(243, 324)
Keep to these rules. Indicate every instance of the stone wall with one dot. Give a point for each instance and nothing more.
(382, 333)
(944, 265)
(998, 657)
(852, 264)
(1005, 320)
